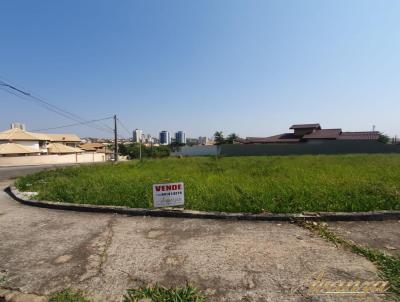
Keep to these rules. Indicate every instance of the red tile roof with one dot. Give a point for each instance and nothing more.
(317, 133)
(280, 138)
(306, 126)
(365, 135)
(324, 134)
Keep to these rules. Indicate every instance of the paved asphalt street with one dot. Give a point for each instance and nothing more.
(43, 250)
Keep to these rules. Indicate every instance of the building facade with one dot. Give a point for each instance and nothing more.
(203, 140)
(165, 138)
(137, 136)
(180, 137)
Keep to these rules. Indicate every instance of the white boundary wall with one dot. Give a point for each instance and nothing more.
(52, 159)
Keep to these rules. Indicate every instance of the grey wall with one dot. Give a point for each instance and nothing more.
(197, 151)
(326, 147)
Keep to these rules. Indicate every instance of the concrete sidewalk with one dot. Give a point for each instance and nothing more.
(380, 235)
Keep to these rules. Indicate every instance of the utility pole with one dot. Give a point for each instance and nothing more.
(140, 149)
(115, 139)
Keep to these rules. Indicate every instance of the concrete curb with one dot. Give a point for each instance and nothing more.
(181, 213)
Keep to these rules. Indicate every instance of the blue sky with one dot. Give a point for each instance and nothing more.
(249, 67)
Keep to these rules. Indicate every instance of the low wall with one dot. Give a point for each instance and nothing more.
(52, 159)
(196, 151)
(326, 147)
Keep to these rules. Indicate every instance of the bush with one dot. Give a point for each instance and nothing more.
(383, 138)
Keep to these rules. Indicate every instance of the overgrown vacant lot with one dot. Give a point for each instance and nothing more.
(234, 184)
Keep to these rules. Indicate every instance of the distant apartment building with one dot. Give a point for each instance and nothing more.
(147, 139)
(180, 137)
(137, 136)
(165, 138)
(150, 139)
(205, 141)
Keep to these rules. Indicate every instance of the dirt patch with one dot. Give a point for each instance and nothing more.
(63, 259)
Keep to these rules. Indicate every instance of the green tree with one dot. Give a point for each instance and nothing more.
(130, 150)
(122, 149)
(133, 151)
(219, 138)
(231, 138)
(383, 138)
(175, 146)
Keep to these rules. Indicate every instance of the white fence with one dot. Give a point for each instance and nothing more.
(52, 159)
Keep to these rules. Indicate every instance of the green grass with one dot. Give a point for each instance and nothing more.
(388, 266)
(287, 184)
(3, 280)
(68, 295)
(159, 293)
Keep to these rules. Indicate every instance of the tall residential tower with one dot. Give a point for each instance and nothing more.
(180, 137)
(137, 136)
(165, 138)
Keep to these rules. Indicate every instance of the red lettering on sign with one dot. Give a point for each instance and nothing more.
(174, 187)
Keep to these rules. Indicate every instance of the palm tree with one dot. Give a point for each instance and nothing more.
(231, 138)
(219, 138)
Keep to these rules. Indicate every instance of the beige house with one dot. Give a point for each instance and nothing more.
(70, 140)
(58, 148)
(19, 142)
(97, 147)
(13, 149)
(19, 147)
(33, 141)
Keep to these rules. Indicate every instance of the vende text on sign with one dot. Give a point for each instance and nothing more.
(168, 194)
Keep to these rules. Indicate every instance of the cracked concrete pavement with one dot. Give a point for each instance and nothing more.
(43, 250)
(380, 235)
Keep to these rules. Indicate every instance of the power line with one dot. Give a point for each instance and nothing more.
(76, 124)
(49, 107)
(41, 102)
(44, 104)
(125, 128)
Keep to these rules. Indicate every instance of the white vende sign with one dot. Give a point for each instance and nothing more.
(168, 194)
